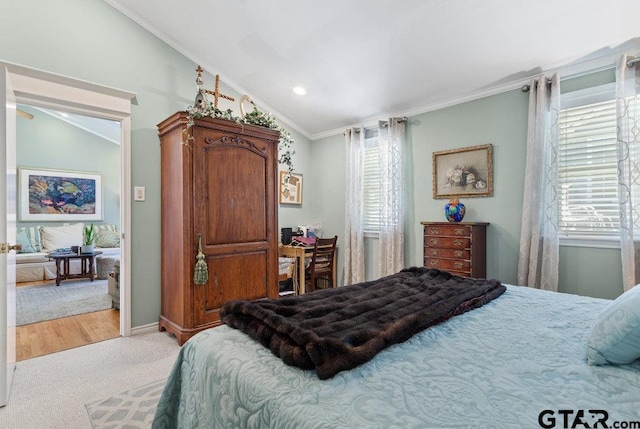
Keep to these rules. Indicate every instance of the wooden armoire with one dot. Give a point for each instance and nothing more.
(220, 185)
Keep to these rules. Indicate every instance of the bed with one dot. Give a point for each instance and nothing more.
(517, 361)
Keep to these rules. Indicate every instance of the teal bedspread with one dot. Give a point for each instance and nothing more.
(498, 366)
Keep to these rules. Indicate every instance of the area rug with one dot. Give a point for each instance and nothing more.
(48, 302)
(131, 409)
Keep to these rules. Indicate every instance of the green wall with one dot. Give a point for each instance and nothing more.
(502, 121)
(45, 142)
(89, 40)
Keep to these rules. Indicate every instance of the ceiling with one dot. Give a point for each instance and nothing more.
(103, 128)
(362, 60)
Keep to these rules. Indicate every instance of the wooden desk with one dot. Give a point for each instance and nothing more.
(300, 253)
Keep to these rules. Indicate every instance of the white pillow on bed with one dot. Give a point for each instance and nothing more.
(615, 337)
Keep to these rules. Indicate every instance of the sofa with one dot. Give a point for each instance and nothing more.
(37, 241)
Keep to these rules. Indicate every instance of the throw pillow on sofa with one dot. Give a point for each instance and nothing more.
(108, 238)
(22, 238)
(32, 234)
(61, 237)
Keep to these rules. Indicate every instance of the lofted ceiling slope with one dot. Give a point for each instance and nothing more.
(361, 60)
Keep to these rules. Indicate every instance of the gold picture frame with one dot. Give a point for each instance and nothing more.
(290, 188)
(465, 172)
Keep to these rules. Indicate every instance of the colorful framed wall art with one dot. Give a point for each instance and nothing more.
(52, 195)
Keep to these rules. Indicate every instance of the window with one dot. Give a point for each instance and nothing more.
(371, 183)
(587, 165)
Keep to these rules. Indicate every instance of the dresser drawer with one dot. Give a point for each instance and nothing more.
(448, 264)
(448, 230)
(447, 242)
(435, 252)
(462, 273)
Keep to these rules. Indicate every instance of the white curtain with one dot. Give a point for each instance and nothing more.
(628, 124)
(391, 241)
(538, 260)
(354, 208)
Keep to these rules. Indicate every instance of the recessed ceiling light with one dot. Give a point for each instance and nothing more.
(299, 90)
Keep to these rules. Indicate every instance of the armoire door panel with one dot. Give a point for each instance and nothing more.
(235, 196)
(232, 277)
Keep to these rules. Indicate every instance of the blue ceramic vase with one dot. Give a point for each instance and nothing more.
(454, 210)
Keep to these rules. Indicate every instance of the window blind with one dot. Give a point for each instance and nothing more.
(587, 171)
(371, 186)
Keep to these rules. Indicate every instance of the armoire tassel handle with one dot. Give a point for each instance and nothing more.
(201, 271)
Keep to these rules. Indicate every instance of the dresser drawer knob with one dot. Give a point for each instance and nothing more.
(434, 263)
(458, 265)
(458, 243)
(434, 240)
(435, 252)
(458, 253)
(459, 231)
(434, 231)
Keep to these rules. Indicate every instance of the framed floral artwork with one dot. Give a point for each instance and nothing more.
(465, 172)
(51, 195)
(290, 188)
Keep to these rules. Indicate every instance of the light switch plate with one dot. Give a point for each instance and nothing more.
(138, 193)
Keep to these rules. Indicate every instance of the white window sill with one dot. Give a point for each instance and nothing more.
(586, 241)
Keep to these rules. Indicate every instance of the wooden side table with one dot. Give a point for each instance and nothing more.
(62, 265)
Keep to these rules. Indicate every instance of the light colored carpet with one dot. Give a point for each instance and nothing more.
(131, 409)
(48, 302)
(50, 392)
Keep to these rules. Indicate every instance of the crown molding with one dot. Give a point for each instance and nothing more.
(570, 71)
(576, 69)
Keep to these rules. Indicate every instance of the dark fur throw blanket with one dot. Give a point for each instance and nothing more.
(338, 329)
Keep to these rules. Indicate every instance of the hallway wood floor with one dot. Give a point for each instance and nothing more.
(50, 336)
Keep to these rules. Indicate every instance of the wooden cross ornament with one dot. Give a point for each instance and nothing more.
(216, 92)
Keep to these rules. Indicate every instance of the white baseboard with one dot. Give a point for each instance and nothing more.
(145, 329)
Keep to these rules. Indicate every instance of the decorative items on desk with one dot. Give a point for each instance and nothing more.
(454, 210)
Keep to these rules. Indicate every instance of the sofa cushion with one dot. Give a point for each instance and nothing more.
(28, 258)
(60, 237)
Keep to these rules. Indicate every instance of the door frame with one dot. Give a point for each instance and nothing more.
(44, 89)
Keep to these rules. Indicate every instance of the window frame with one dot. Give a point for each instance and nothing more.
(583, 97)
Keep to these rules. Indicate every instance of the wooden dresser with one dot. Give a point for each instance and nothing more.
(459, 248)
(220, 185)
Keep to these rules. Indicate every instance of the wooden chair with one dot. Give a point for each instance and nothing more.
(321, 265)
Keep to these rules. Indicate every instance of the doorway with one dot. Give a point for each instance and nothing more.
(46, 90)
(78, 312)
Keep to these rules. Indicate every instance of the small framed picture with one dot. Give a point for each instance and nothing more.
(466, 172)
(290, 188)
